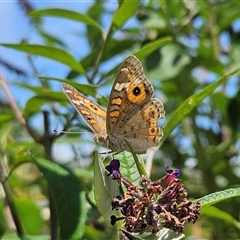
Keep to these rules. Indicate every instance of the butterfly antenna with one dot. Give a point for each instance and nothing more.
(61, 131)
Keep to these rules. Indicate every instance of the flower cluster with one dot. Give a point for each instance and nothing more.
(152, 206)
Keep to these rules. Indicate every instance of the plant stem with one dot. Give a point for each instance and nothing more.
(9, 198)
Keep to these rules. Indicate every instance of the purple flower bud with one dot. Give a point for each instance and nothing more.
(157, 208)
(176, 173)
(113, 166)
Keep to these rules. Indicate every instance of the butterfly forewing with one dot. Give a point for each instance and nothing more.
(130, 90)
(93, 114)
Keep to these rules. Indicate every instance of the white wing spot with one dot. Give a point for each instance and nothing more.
(124, 69)
(77, 102)
(138, 81)
(120, 86)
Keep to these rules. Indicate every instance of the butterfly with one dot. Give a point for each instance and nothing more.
(132, 114)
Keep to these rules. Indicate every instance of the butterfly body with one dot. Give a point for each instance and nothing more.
(132, 114)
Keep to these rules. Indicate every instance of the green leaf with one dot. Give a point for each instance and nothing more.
(126, 10)
(49, 52)
(51, 39)
(68, 196)
(6, 117)
(93, 233)
(40, 91)
(128, 167)
(152, 46)
(221, 102)
(218, 196)
(88, 89)
(5, 132)
(143, 52)
(104, 188)
(155, 20)
(34, 104)
(63, 13)
(20, 149)
(30, 215)
(38, 237)
(166, 66)
(117, 46)
(217, 213)
(10, 235)
(230, 14)
(191, 102)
